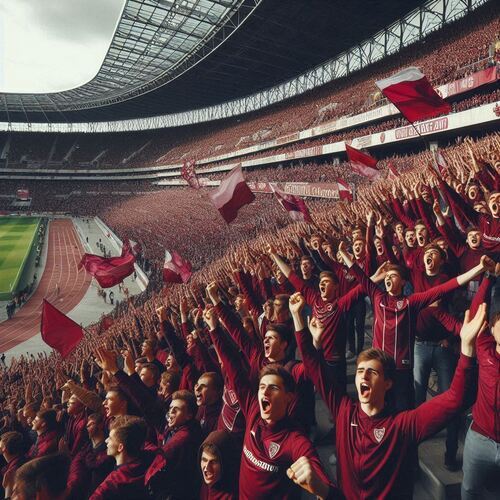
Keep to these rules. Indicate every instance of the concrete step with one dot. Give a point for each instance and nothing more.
(438, 482)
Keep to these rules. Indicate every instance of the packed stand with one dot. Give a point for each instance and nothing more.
(196, 391)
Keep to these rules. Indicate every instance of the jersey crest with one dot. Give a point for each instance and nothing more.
(379, 434)
(400, 304)
(273, 449)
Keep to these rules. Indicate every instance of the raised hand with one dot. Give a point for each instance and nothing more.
(302, 473)
(213, 292)
(471, 328)
(211, 319)
(488, 264)
(296, 303)
(128, 362)
(316, 328)
(107, 360)
(162, 313)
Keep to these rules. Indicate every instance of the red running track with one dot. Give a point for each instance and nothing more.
(63, 255)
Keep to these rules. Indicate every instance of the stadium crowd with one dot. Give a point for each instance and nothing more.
(447, 55)
(197, 390)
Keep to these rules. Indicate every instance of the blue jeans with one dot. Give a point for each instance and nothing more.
(481, 466)
(428, 355)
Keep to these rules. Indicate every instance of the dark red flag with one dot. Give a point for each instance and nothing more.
(108, 271)
(362, 163)
(232, 194)
(58, 331)
(411, 92)
(176, 269)
(295, 206)
(345, 192)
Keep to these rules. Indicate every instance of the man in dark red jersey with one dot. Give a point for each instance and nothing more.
(12, 447)
(273, 443)
(395, 317)
(375, 444)
(124, 444)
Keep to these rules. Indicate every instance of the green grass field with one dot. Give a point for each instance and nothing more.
(16, 235)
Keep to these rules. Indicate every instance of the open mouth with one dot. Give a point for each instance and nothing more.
(208, 475)
(198, 399)
(265, 405)
(420, 240)
(364, 389)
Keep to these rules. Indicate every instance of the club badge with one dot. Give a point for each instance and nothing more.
(379, 434)
(273, 449)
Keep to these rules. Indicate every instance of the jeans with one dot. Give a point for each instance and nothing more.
(481, 466)
(356, 326)
(429, 355)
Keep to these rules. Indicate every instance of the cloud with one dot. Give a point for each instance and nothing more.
(54, 45)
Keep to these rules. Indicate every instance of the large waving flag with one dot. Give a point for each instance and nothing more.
(176, 269)
(58, 331)
(108, 271)
(362, 163)
(295, 206)
(188, 173)
(232, 194)
(411, 92)
(345, 192)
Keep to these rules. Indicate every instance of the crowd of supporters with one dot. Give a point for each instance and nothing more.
(196, 390)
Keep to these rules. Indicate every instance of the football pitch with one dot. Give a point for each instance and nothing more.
(16, 235)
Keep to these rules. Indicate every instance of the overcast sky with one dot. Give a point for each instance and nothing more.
(53, 45)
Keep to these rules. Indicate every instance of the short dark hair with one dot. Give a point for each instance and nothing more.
(328, 274)
(282, 330)
(98, 418)
(152, 342)
(50, 473)
(171, 377)
(400, 270)
(435, 247)
(279, 371)
(131, 432)
(153, 369)
(283, 297)
(307, 257)
(49, 417)
(216, 379)
(189, 398)
(13, 442)
(385, 360)
(472, 228)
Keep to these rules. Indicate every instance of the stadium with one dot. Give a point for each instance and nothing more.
(255, 255)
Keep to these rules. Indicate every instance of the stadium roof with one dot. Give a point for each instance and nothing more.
(168, 56)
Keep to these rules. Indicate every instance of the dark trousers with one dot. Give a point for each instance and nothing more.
(402, 395)
(356, 326)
